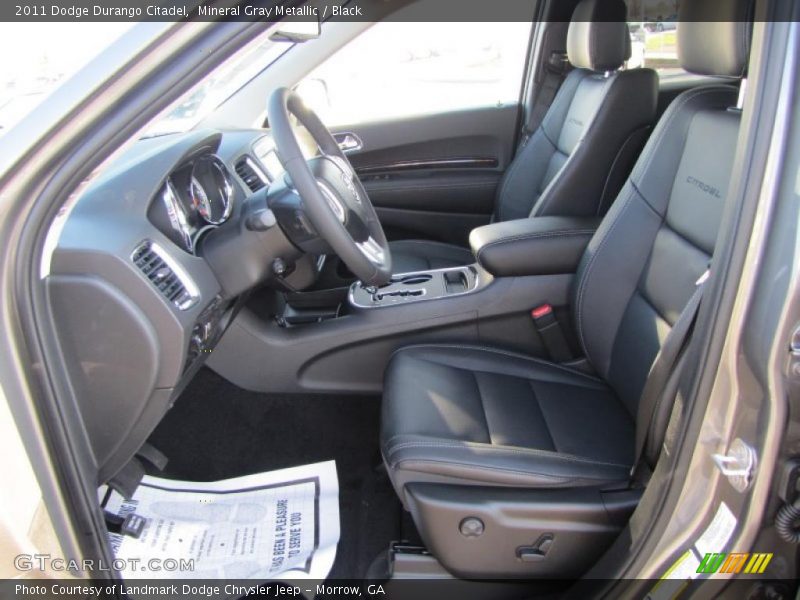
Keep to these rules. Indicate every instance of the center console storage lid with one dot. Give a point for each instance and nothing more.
(532, 246)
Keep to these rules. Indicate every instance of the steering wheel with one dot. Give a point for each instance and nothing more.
(331, 194)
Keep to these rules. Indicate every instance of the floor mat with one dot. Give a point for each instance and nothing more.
(276, 524)
(218, 431)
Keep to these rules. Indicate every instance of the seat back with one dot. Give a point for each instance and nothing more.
(592, 131)
(642, 265)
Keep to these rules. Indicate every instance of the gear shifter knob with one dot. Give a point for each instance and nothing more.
(370, 289)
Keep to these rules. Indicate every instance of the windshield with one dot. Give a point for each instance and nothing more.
(212, 91)
(44, 56)
(47, 54)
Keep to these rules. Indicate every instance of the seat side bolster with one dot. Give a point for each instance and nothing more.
(420, 459)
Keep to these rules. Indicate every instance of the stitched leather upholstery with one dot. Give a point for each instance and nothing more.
(541, 246)
(657, 239)
(564, 167)
(464, 414)
(482, 416)
(575, 161)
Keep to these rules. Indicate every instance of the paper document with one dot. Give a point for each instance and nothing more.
(278, 524)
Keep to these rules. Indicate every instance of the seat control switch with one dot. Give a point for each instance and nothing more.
(536, 552)
(471, 527)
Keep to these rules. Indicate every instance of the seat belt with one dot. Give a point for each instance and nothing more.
(662, 367)
(555, 71)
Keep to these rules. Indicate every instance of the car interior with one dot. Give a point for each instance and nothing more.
(478, 315)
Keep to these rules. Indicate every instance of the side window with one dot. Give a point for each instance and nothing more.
(395, 70)
(654, 25)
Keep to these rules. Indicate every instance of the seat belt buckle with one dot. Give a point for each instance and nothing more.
(543, 315)
(546, 323)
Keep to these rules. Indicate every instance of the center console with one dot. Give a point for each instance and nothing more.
(340, 339)
(519, 248)
(406, 288)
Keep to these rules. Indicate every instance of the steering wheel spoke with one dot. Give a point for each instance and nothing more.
(333, 198)
(333, 201)
(373, 251)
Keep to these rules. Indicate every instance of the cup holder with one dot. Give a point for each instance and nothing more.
(415, 279)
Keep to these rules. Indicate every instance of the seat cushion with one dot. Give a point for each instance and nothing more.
(482, 416)
(423, 255)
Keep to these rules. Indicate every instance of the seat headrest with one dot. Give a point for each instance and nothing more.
(598, 37)
(714, 36)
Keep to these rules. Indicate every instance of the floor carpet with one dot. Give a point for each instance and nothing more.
(217, 430)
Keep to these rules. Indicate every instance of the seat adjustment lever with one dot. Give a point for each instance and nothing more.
(537, 551)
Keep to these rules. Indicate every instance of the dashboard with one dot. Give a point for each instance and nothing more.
(138, 302)
(197, 196)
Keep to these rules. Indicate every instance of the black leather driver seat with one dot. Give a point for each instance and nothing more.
(577, 159)
(472, 416)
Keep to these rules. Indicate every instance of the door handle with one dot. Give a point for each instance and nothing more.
(348, 141)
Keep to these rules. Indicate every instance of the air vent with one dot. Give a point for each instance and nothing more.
(251, 174)
(166, 275)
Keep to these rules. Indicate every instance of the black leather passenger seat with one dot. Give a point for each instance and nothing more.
(457, 417)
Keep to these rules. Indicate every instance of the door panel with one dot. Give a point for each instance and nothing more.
(453, 228)
(435, 176)
(456, 191)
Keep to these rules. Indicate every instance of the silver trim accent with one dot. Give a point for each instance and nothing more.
(348, 141)
(435, 163)
(480, 282)
(738, 465)
(177, 218)
(226, 191)
(260, 173)
(742, 94)
(347, 175)
(372, 250)
(179, 272)
(333, 201)
(794, 345)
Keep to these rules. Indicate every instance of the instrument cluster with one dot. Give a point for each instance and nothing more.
(196, 197)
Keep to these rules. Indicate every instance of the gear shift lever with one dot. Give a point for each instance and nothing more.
(370, 289)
